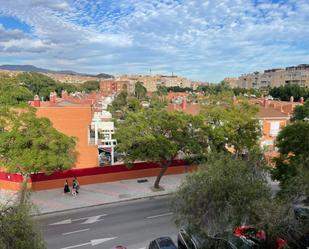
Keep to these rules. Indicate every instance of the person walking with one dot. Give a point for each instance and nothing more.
(77, 186)
(66, 188)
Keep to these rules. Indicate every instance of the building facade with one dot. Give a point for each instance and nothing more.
(273, 77)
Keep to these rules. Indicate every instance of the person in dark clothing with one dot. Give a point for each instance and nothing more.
(76, 185)
(66, 188)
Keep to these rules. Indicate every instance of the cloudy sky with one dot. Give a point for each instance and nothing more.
(201, 39)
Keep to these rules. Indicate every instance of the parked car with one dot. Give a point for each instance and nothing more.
(118, 247)
(188, 240)
(162, 243)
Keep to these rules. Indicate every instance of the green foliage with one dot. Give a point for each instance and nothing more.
(12, 93)
(227, 192)
(179, 89)
(162, 90)
(231, 124)
(301, 112)
(241, 91)
(29, 144)
(38, 83)
(140, 91)
(221, 195)
(17, 229)
(293, 146)
(214, 88)
(89, 86)
(286, 91)
(158, 135)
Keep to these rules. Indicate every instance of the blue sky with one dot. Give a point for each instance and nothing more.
(200, 39)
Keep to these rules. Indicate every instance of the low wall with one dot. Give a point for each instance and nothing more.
(85, 176)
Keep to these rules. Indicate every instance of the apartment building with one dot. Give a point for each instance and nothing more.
(273, 77)
(108, 87)
(151, 82)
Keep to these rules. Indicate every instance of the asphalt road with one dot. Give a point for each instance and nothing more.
(132, 224)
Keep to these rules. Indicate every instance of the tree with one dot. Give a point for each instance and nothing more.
(293, 146)
(29, 144)
(221, 195)
(37, 83)
(286, 91)
(228, 192)
(17, 229)
(301, 112)
(158, 135)
(140, 91)
(12, 93)
(162, 90)
(233, 125)
(90, 85)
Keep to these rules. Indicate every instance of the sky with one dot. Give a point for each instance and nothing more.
(199, 39)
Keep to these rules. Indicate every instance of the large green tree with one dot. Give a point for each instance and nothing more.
(29, 144)
(293, 145)
(13, 93)
(228, 192)
(222, 194)
(140, 91)
(158, 136)
(38, 83)
(301, 112)
(18, 230)
(232, 124)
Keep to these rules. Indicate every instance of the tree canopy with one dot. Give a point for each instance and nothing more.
(29, 144)
(285, 92)
(293, 145)
(232, 125)
(18, 230)
(140, 91)
(228, 192)
(158, 135)
(13, 93)
(220, 196)
(301, 112)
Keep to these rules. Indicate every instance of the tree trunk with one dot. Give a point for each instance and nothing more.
(161, 173)
(23, 189)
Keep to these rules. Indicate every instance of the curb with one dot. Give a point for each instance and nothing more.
(101, 204)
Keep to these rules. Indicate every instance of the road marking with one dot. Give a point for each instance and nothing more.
(89, 220)
(78, 231)
(159, 215)
(93, 242)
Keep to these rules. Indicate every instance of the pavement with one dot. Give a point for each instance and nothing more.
(132, 224)
(49, 201)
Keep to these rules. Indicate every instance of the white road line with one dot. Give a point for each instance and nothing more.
(159, 215)
(78, 231)
(93, 242)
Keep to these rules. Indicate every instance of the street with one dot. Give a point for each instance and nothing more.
(132, 224)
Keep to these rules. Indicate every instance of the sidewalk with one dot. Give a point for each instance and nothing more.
(48, 201)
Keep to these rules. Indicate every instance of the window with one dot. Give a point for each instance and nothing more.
(274, 128)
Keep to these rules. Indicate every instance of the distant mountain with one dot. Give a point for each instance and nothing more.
(31, 68)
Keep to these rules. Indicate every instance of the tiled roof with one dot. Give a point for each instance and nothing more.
(270, 112)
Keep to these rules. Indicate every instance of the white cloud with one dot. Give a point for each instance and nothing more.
(204, 40)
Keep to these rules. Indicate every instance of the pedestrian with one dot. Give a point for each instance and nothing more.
(73, 189)
(77, 186)
(66, 188)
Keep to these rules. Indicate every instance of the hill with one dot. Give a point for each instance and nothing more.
(31, 68)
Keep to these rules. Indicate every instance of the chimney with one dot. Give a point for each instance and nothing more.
(265, 102)
(301, 100)
(291, 99)
(234, 99)
(36, 101)
(184, 105)
(52, 97)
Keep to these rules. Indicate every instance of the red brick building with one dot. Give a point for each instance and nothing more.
(108, 87)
